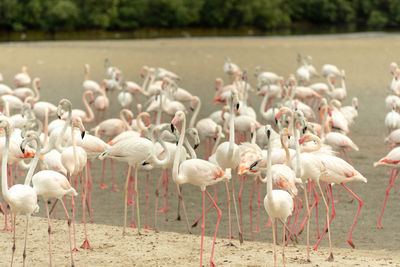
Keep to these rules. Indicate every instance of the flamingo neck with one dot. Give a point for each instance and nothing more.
(122, 115)
(179, 179)
(58, 145)
(196, 112)
(298, 161)
(269, 171)
(143, 129)
(287, 154)
(36, 91)
(159, 111)
(231, 131)
(88, 108)
(190, 149)
(264, 103)
(74, 149)
(46, 126)
(34, 161)
(4, 184)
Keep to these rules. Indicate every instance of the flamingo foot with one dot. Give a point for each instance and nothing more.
(317, 235)
(132, 225)
(212, 263)
(130, 202)
(230, 244)
(350, 243)
(102, 186)
(148, 227)
(115, 189)
(330, 257)
(257, 230)
(379, 225)
(75, 250)
(86, 244)
(240, 238)
(195, 224)
(178, 218)
(231, 236)
(163, 210)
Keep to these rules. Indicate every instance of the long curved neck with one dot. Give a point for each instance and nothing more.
(88, 108)
(179, 179)
(159, 111)
(298, 161)
(143, 129)
(343, 83)
(74, 147)
(165, 160)
(86, 73)
(61, 136)
(34, 162)
(196, 113)
(231, 131)
(190, 149)
(291, 126)
(46, 127)
(4, 184)
(330, 84)
(146, 81)
(36, 90)
(269, 172)
(123, 119)
(287, 154)
(264, 103)
(315, 148)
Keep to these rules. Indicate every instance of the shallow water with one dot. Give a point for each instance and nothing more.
(199, 61)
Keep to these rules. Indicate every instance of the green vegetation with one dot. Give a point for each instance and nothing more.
(69, 15)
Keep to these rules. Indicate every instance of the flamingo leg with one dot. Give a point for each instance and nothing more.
(178, 190)
(308, 225)
(137, 198)
(283, 244)
(240, 205)
(216, 227)
(178, 216)
(147, 202)
(236, 211)
(26, 237)
(49, 231)
(391, 183)
(203, 225)
(251, 210)
(157, 198)
(228, 202)
(84, 187)
(89, 191)
(114, 188)
(102, 186)
(258, 207)
(73, 216)
(327, 223)
(13, 247)
(69, 231)
(126, 198)
(274, 238)
(361, 203)
(316, 208)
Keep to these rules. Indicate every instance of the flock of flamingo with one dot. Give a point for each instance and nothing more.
(303, 140)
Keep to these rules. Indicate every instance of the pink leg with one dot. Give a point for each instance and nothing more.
(333, 214)
(69, 231)
(84, 187)
(258, 207)
(157, 198)
(251, 210)
(147, 202)
(131, 201)
(114, 188)
(391, 183)
(102, 186)
(205, 149)
(164, 183)
(361, 203)
(89, 191)
(73, 222)
(216, 227)
(240, 205)
(228, 201)
(203, 225)
(48, 230)
(316, 208)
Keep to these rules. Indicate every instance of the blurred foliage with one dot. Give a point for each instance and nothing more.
(69, 15)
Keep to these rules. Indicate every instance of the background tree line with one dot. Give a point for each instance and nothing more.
(69, 15)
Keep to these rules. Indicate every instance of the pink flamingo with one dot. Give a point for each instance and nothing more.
(89, 85)
(22, 79)
(197, 172)
(22, 198)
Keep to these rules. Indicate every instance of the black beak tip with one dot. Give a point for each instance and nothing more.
(215, 138)
(91, 102)
(276, 121)
(196, 146)
(304, 130)
(192, 109)
(237, 106)
(83, 134)
(59, 117)
(253, 165)
(145, 163)
(22, 149)
(172, 128)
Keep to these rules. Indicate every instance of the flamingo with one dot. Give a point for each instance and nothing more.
(330, 69)
(22, 198)
(85, 116)
(101, 103)
(49, 184)
(22, 79)
(89, 85)
(134, 151)
(391, 160)
(200, 173)
(392, 119)
(23, 92)
(277, 203)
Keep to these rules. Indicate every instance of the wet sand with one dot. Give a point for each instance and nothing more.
(199, 61)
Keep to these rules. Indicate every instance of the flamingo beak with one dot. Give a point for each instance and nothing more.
(301, 140)
(195, 146)
(83, 134)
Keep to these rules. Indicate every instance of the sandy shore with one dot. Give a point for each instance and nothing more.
(110, 248)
